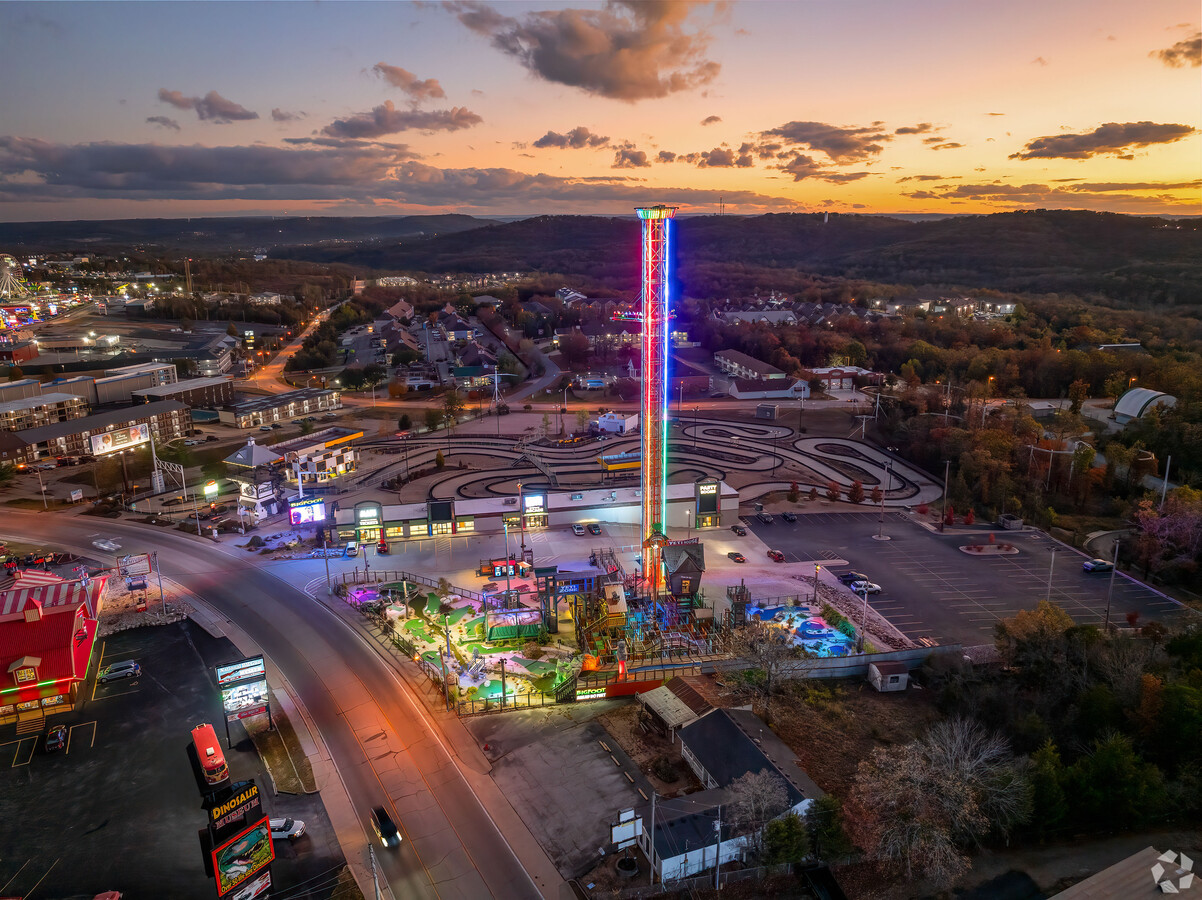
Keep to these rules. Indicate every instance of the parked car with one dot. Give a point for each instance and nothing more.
(192, 443)
(264, 428)
(736, 556)
(56, 738)
(594, 528)
(1097, 565)
(107, 545)
(739, 530)
(865, 587)
(384, 827)
(210, 437)
(776, 556)
(766, 518)
(288, 828)
(330, 415)
(276, 425)
(127, 668)
(849, 577)
(578, 529)
(789, 517)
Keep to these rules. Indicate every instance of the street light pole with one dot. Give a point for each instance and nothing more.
(1110, 590)
(1051, 568)
(694, 427)
(863, 619)
(816, 568)
(42, 485)
(947, 467)
(889, 471)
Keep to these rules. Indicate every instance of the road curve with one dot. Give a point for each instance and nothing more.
(385, 748)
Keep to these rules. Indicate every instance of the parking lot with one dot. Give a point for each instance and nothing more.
(119, 808)
(932, 591)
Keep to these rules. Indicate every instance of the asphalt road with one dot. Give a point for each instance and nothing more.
(385, 751)
(932, 590)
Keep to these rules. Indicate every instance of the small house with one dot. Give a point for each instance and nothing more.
(888, 676)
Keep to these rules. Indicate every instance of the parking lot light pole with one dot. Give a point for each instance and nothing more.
(863, 620)
(1051, 568)
(1110, 590)
(816, 568)
(889, 472)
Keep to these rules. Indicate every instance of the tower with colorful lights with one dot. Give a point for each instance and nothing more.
(656, 247)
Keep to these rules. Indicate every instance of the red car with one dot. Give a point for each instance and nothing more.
(776, 556)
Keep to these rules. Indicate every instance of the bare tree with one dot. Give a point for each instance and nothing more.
(771, 655)
(920, 805)
(756, 799)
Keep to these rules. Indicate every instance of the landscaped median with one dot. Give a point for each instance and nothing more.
(281, 752)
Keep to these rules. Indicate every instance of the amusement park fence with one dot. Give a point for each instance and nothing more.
(369, 575)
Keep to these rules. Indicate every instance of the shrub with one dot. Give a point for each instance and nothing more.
(664, 768)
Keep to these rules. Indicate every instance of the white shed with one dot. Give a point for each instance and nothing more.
(888, 676)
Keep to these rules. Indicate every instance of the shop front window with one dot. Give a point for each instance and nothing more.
(536, 521)
(707, 521)
(440, 528)
(369, 534)
(419, 529)
(465, 524)
(394, 532)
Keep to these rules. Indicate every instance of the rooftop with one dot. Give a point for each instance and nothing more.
(42, 400)
(190, 384)
(271, 402)
(98, 422)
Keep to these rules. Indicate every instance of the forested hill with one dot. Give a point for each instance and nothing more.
(240, 234)
(1133, 260)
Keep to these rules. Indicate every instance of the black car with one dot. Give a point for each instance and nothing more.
(849, 577)
(739, 530)
(789, 517)
(56, 738)
(384, 827)
(766, 518)
(594, 528)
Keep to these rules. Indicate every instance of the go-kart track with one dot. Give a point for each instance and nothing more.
(754, 458)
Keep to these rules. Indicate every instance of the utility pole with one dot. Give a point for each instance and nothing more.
(159, 572)
(863, 618)
(371, 853)
(326, 558)
(502, 682)
(1110, 590)
(651, 841)
(947, 468)
(718, 861)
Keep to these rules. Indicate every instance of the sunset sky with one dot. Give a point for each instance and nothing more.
(115, 110)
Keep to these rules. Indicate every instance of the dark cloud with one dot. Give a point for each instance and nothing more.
(1039, 61)
(1182, 53)
(995, 114)
(711, 120)
(1098, 194)
(932, 140)
(841, 144)
(1112, 137)
(948, 145)
(164, 121)
(629, 50)
(280, 115)
(920, 128)
(718, 158)
(802, 167)
(419, 90)
(44, 170)
(211, 107)
(629, 158)
(576, 139)
(1106, 187)
(387, 119)
(666, 156)
(922, 178)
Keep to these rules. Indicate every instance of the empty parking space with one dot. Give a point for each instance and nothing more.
(933, 591)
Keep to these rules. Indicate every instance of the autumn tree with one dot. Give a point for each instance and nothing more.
(877, 495)
(813, 495)
(855, 493)
(923, 805)
(756, 799)
(770, 654)
(833, 491)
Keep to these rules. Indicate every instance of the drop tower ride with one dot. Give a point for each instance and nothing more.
(656, 247)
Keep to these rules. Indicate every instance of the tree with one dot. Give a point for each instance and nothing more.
(404, 423)
(1078, 393)
(581, 419)
(1033, 638)
(306, 426)
(8, 472)
(923, 804)
(785, 840)
(574, 348)
(824, 819)
(756, 799)
(452, 405)
(1047, 789)
(433, 419)
(439, 460)
(794, 494)
(813, 495)
(405, 356)
(833, 491)
(232, 330)
(855, 493)
(771, 654)
(877, 495)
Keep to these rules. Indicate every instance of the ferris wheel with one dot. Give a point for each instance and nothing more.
(11, 283)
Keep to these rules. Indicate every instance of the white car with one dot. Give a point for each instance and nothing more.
(578, 529)
(286, 828)
(110, 546)
(865, 587)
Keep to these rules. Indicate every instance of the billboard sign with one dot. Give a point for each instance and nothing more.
(244, 699)
(252, 889)
(307, 510)
(534, 502)
(135, 565)
(250, 669)
(211, 490)
(238, 860)
(241, 806)
(121, 439)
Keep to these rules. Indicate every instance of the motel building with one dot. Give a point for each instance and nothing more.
(706, 503)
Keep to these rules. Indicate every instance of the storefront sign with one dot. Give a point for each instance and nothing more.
(245, 699)
(306, 511)
(248, 669)
(256, 888)
(534, 502)
(708, 489)
(211, 490)
(243, 857)
(235, 807)
(590, 693)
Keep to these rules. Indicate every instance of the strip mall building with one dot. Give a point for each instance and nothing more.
(707, 503)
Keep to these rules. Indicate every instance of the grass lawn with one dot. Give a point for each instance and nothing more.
(458, 615)
(535, 667)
